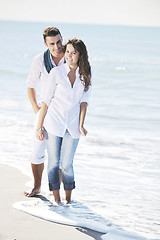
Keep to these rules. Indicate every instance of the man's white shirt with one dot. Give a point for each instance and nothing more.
(39, 75)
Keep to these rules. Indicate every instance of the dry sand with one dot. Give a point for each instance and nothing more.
(17, 225)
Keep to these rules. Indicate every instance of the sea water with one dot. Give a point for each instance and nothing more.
(117, 166)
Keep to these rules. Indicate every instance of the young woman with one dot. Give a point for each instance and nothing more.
(63, 113)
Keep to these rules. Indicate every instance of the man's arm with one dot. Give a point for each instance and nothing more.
(40, 131)
(32, 98)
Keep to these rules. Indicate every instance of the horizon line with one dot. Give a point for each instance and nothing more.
(78, 23)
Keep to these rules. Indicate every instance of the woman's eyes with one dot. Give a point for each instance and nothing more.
(71, 53)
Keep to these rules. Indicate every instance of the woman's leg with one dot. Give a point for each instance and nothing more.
(54, 148)
(68, 150)
(68, 196)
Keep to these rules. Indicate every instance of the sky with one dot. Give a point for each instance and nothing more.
(112, 12)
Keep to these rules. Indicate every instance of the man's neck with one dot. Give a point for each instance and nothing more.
(58, 59)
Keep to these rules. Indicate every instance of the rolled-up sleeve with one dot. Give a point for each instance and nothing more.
(86, 95)
(51, 87)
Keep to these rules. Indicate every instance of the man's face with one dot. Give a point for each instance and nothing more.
(54, 44)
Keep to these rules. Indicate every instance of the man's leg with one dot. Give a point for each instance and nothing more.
(37, 170)
(37, 165)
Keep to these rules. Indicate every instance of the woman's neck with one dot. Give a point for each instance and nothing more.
(73, 67)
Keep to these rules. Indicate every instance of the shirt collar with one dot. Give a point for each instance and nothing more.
(53, 63)
(67, 68)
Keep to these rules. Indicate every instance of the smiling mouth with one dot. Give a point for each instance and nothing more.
(57, 51)
(69, 60)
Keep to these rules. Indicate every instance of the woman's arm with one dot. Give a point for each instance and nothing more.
(40, 131)
(83, 110)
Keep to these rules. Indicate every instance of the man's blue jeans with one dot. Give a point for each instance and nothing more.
(61, 151)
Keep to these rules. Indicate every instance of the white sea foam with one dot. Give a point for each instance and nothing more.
(74, 214)
(120, 68)
(116, 234)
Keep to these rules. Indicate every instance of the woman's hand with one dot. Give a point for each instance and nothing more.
(40, 134)
(83, 131)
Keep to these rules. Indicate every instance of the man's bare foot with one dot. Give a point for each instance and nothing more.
(33, 193)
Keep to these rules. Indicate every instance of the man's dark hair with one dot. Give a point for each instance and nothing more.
(50, 32)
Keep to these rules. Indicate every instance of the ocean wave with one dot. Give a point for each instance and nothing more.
(128, 61)
(120, 69)
(12, 122)
(12, 72)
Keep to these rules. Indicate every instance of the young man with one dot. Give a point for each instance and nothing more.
(40, 68)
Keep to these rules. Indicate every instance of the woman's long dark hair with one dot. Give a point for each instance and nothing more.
(83, 63)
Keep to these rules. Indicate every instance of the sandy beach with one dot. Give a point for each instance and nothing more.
(17, 225)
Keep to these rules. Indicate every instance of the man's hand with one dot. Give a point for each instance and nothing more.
(40, 134)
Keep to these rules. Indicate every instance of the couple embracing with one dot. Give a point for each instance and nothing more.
(64, 74)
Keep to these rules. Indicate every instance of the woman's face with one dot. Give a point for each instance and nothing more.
(71, 56)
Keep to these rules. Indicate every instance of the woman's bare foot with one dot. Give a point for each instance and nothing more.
(59, 203)
(67, 202)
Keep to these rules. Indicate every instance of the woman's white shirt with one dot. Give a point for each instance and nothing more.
(64, 102)
(39, 75)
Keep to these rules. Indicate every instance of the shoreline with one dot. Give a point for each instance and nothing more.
(18, 225)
